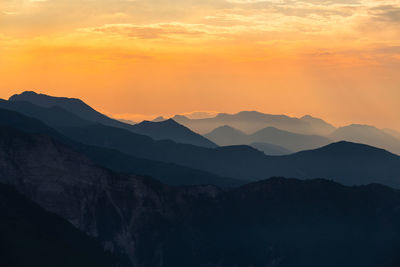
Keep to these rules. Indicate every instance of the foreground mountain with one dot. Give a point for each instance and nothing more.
(168, 173)
(366, 134)
(277, 222)
(252, 121)
(62, 111)
(169, 129)
(31, 236)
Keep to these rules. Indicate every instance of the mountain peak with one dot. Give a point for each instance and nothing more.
(41, 99)
(159, 119)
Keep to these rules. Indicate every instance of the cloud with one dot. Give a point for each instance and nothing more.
(387, 13)
(150, 31)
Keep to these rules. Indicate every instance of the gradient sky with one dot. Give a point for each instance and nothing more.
(337, 59)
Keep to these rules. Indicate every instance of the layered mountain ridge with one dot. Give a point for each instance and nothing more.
(144, 223)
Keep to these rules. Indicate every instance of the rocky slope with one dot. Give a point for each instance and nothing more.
(277, 222)
(30, 236)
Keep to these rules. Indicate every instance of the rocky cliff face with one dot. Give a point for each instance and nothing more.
(120, 210)
(278, 222)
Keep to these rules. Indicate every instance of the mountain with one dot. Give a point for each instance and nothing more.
(159, 118)
(366, 134)
(246, 163)
(227, 135)
(127, 121)
(289, 140)
(392, 132)
(320, 126)
(277, 222)
(54, 116)
(252, 121)
(238, 162)
(344, 162)
(169, 129)
(270, 149)
(66, 112)
(72, 105)
(31, 236)
(168, 173)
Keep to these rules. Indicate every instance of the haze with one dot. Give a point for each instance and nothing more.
(339, 59)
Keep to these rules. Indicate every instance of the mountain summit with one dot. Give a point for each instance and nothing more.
(165, 130)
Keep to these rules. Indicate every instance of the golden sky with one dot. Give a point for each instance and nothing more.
(337, 59)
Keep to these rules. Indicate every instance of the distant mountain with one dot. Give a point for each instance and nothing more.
(320, 126)
(227, 135)
(252, 121)
(289, 140)
(392, 132)
(66, 112)
(168, 173)
(366, 134)
(278, 222)
(127, 121)
(270, 149)
(239, 162)
(246, 163)
(31, 236)
(160, 118)
(171, 130)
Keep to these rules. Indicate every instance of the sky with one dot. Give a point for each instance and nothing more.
(337, 59)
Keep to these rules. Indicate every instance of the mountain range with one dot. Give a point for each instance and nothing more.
(291, 142)
(279, 222)
(293, 134)
(75, 110)
(252, 121)
(80, 189)
(224, 166)
(370, 135)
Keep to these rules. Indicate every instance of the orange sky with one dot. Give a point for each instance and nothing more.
(337, 59)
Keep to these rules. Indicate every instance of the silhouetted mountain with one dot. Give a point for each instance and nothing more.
(344, 162)
(291, 141)
(31, 236)
(392, 132)
(53, 116)
(270, 149)
(171, 130)
(66, 112)
(239, 162)
(159, 118)
(227, 135)
(320, 126)
(168, 173)
(249, 122)
(127, 121)
(72, 105)
(245, 163)
(366, 134)
(277, 222)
